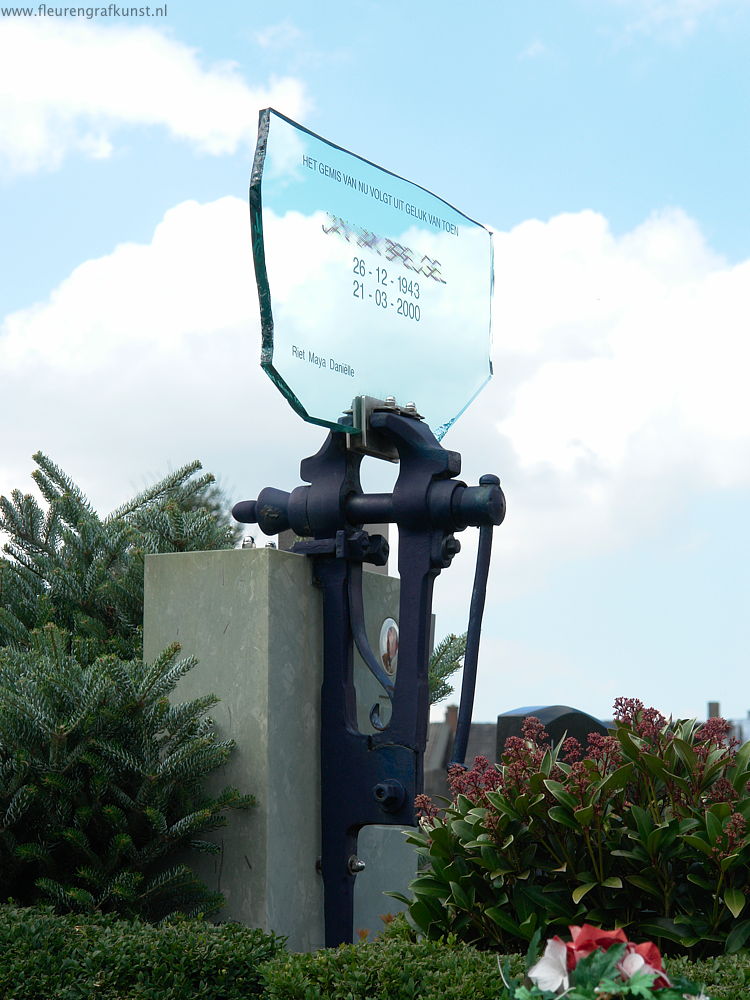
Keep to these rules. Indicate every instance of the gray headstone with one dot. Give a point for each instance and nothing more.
(558, 720)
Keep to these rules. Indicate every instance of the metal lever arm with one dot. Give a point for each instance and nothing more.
(471, 655)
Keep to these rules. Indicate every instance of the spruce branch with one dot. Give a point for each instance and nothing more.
(159, 491)
(446, 659)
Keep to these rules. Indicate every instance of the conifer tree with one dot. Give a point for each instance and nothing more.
(68, 566)
(101, 780)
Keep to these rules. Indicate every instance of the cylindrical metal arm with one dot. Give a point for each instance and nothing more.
(270, 511)
(451, 505)
(369, 508)
(244, 512)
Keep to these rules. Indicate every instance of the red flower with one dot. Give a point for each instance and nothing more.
(587, 939)
(637, 956)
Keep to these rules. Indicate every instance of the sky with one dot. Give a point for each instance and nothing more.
(604, 142)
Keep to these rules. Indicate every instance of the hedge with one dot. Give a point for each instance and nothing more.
(44, 956)
(75, 957)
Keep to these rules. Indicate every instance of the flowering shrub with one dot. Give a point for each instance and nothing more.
(599, 965)
(646, 829)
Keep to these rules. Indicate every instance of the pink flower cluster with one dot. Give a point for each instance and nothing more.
(552, 971)
(647, 722)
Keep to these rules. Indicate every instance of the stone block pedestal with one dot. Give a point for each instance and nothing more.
(253, 619)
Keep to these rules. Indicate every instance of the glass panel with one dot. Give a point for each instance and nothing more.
(368, 284)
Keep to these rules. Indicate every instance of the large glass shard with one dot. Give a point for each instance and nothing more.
(368, 284)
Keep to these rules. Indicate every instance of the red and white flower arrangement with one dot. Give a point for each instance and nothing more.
(598, 965)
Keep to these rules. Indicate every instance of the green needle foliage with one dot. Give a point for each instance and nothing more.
(101, 780)
(101, 777)
(446, 659)
(68, 566)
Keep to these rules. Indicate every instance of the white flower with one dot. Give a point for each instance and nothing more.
(630, 964)
(551, 971)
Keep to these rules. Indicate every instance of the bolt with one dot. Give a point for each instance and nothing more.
(451, 547)
(390, 400)
(390, 794)
(489, 480)
(355, 865)
(411, 407)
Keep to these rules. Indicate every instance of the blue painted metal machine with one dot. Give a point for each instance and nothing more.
(373, 778)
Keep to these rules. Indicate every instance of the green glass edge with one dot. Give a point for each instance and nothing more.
(261, 275)
(443, 429)
(261, 279)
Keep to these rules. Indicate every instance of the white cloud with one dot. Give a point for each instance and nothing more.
(619, 361)
(618, 393)
(278, 36)
(147, 358)
(674, 19)
(620, 365)
(533, 50)
(634, 342)
(69, 87)
(142, 298)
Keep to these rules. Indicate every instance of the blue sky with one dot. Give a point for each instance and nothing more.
(604, 141)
